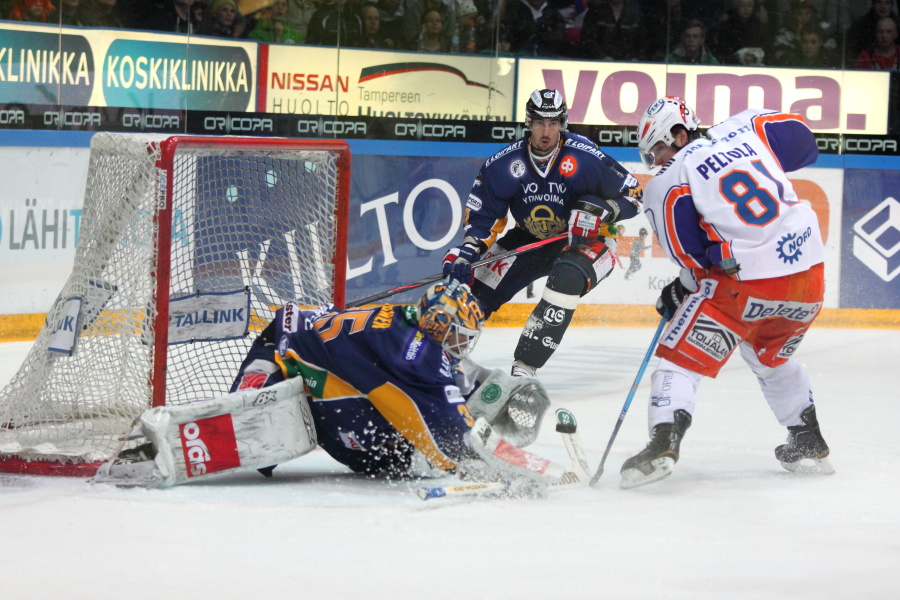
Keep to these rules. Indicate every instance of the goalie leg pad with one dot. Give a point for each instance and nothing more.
(242, 431)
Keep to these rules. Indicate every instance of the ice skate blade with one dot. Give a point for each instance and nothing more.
(632, 478)
(810, 466)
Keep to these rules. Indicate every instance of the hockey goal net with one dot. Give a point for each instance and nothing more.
(187, 247)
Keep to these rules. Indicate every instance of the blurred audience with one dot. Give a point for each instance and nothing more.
(692, 48)
(299, 14)
(275, 27)
(811, 51)
(803, 16)
(335, 23)
(611, 30)
(532, 28)
(744, 27)
(99, 13)
(66, 14)
(36, 11)
(175, 16)
(862, 31)
(371, 34)
(884, 53)
(431, 33)
(222, 19)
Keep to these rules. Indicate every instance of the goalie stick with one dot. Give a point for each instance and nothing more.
(634, 386)
(574, 478)
(432, 278)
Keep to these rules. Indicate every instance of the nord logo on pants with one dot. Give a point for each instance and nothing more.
(209, 445)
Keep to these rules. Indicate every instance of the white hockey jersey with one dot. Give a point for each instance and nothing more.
(727, 196)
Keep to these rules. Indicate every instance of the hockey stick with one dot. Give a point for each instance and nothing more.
(567, 427)
(432, 278)
(634, 386)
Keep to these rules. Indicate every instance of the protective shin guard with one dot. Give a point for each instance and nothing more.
(543, 332)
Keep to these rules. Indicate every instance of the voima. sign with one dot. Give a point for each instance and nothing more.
(617, 93)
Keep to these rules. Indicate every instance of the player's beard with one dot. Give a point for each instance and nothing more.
(545, 147)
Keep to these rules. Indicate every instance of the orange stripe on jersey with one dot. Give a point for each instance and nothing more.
(496, 229)
(401, 412)
(671, 233)
(759, 126)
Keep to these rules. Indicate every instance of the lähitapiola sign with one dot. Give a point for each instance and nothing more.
(164, 75)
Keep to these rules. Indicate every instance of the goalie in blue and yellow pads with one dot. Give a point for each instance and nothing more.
(385, 390)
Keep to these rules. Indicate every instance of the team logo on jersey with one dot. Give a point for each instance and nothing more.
(517, 168)
(789, 246)
(712, 338)
(543, 222)
(790, 347)
(568, 166)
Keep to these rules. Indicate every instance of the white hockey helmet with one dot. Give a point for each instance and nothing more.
(657, 123)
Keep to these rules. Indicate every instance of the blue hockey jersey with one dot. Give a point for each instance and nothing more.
(540, 202)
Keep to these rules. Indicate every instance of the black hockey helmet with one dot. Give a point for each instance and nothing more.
(546, 104)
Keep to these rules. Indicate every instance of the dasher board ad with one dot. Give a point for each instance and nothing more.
(604, 93)
(123, 68)
(305, 80)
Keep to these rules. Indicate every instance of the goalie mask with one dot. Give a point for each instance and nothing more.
(451, 316)
(657, 123)
(546, 104)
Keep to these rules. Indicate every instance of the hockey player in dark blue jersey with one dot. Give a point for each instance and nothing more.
(386, 390)
(551, 182)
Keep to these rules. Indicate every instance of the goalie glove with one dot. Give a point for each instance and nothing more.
(458, 261)
(588, 217)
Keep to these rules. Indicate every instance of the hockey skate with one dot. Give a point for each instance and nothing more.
(520, 369)
(657, 460)
(805, 451)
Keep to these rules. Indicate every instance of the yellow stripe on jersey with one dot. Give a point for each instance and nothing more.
(318, 382)
(401, 412)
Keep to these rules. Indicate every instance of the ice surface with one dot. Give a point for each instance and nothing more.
(730, 523)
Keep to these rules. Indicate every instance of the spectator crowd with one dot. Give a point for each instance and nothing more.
(801, 33)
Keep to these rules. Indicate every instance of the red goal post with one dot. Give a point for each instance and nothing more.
(187, 247)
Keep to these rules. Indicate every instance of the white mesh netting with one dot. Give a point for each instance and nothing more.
(253, 226)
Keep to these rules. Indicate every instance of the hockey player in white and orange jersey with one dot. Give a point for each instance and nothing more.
(752, 273)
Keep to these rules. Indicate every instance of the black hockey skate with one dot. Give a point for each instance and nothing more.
(657, 460)
(805, 451)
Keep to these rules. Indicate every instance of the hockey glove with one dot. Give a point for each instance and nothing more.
(587, 218)
(458, 263)
(671, 298)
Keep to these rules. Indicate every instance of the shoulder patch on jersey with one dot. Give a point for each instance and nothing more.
(517, 168)
(473, 202)
(568, 166)
(414, 347)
